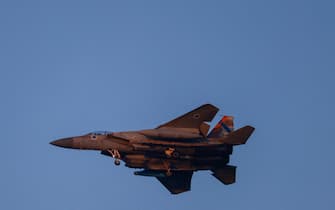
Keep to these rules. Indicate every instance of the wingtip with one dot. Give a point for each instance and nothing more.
(250, 128)
(245, 133)
(209, 105)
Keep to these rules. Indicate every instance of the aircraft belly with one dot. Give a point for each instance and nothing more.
(160, 142)
(183, 151)
(193, 164)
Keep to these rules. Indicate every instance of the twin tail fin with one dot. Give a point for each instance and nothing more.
(223, 127)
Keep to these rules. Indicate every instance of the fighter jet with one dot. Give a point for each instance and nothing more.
(172, 151)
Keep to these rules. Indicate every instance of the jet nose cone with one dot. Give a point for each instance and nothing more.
(66, 143)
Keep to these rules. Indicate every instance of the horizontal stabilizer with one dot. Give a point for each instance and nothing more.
(225, 175)
(178, 182)
(239, 136)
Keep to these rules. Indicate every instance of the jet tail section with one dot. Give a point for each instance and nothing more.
(223, 127)
(239, 136)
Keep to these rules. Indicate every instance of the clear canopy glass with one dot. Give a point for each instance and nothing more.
(99, 133)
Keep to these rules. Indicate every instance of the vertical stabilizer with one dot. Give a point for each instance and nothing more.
(223, 127)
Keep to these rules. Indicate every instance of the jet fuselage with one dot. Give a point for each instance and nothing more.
(174, 150)
(153, 153)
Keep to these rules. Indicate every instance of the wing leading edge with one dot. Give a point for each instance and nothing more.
(194, 118)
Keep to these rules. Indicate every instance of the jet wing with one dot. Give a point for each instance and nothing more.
(178, 182)
(194, 118)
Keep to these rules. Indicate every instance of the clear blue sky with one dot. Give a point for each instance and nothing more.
(70, 67)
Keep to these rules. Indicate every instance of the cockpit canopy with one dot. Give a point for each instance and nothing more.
(100, 133)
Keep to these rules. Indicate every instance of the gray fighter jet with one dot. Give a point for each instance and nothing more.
(172, 151)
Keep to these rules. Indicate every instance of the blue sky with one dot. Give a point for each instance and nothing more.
(70, 67)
